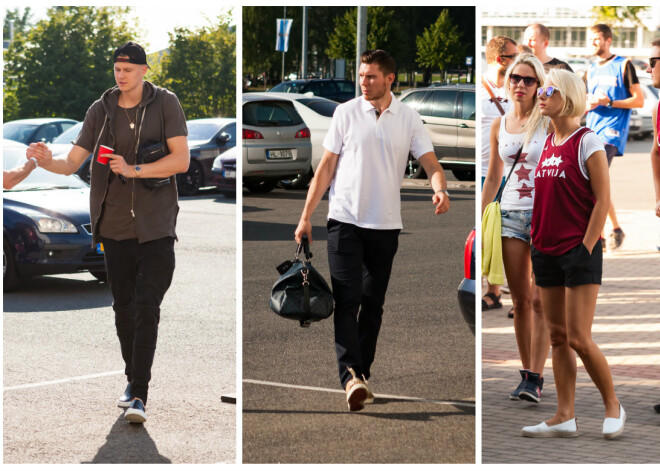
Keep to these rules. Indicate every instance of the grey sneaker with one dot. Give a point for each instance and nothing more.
(616, 238)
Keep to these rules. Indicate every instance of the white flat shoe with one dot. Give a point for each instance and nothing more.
(613, 427)
(564, 429)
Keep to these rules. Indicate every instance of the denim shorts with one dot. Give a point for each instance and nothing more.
(517, 224)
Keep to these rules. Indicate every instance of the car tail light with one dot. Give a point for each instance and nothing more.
(250, 134)
(468, 260)
(304, 133)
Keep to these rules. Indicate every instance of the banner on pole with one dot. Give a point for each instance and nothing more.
(283, 30)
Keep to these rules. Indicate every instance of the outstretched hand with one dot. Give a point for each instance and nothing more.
(39, 151)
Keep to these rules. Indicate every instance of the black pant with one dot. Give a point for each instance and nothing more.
(360, 266)
(138, 275)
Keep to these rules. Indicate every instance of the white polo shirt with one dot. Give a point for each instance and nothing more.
(373, 154)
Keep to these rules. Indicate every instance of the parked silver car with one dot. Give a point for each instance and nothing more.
(448, 113)
(276, 142)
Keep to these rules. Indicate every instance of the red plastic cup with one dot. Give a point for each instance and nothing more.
(103, 150)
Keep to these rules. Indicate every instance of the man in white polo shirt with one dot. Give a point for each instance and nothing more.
(366, 151)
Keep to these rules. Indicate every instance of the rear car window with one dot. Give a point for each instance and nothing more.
(288, 87)
(440, 105)
(345, 86)
(270, 113)
(322, 107)
(469, 109)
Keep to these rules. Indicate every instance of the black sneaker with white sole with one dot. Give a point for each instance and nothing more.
(125, 399)
(135, 413)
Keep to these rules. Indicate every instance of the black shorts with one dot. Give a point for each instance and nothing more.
(574, 268)
(610, 151)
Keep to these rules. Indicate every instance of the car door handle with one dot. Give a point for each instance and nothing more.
(463, 125)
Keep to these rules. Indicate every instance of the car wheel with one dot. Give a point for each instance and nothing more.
(10, 277)
(263, 186)
(100, 275)
(189, 183)
(414, 169)
(299, 182)
(464, 175)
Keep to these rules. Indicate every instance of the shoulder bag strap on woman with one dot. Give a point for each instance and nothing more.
(499, 193)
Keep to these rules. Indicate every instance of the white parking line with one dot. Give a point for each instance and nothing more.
(65, 380)
(339, 391)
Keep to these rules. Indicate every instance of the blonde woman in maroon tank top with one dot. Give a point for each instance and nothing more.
(570, 207)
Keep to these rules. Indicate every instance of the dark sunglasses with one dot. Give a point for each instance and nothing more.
(509, 56)
(528, 81)
(547, 91)
(652, 61)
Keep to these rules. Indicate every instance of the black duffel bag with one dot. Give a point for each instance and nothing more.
(300, 292)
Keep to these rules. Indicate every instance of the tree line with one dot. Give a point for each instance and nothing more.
(62, 64)
(430, 39)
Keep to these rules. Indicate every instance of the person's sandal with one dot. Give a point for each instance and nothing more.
(495, 299)
(510, 314)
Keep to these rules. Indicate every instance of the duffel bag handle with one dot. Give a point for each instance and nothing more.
(304, 247)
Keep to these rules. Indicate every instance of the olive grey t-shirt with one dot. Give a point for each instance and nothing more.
(116, 221)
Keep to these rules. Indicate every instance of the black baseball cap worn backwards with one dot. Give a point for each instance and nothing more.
(134, 51)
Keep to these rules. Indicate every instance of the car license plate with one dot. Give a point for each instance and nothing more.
(99, 249)
(230, 174)
(280, 154)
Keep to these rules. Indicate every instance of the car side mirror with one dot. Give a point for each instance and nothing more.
(224, 138)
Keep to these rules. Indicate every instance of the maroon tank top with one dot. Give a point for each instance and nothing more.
(564, 201)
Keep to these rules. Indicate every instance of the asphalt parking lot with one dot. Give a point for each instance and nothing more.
(63, 370)
(294, 409)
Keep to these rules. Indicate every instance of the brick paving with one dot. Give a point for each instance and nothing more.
(627, 329)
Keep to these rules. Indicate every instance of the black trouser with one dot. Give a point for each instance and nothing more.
(360, 266)
(138, 275)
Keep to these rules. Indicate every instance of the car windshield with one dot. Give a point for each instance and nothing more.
(288, 87)
(19, 132)
(201, 131)
(322, 107)
(39, 179)
(270, 113)
(69, 135)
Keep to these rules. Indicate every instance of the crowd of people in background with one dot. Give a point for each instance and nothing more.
(553, 176)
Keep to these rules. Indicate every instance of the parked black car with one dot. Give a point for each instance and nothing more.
(46, 225)
(27, 131)
(333, 89)
(224, 173)
(467, 288)
(448, 113)
(206, 139)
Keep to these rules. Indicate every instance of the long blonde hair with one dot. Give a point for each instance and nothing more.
(535, 120)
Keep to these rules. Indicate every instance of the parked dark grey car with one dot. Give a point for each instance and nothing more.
(333, 89)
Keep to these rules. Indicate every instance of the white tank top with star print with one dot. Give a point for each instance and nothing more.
(519, 191)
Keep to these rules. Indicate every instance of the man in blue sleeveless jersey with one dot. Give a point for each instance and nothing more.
(613, 90)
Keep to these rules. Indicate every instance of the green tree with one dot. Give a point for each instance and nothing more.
(22, 21)
(615, 16)
(201, 69)
(439, 46)
(64, 63)
(382, 33)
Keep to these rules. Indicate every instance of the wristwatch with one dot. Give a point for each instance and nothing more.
(609, 105)
(137, 171)
(443, 190)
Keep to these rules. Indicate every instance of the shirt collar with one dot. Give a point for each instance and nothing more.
(393, 108)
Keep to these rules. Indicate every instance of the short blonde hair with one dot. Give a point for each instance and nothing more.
(572, 90)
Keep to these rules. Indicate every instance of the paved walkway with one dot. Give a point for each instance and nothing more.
(627, 329)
